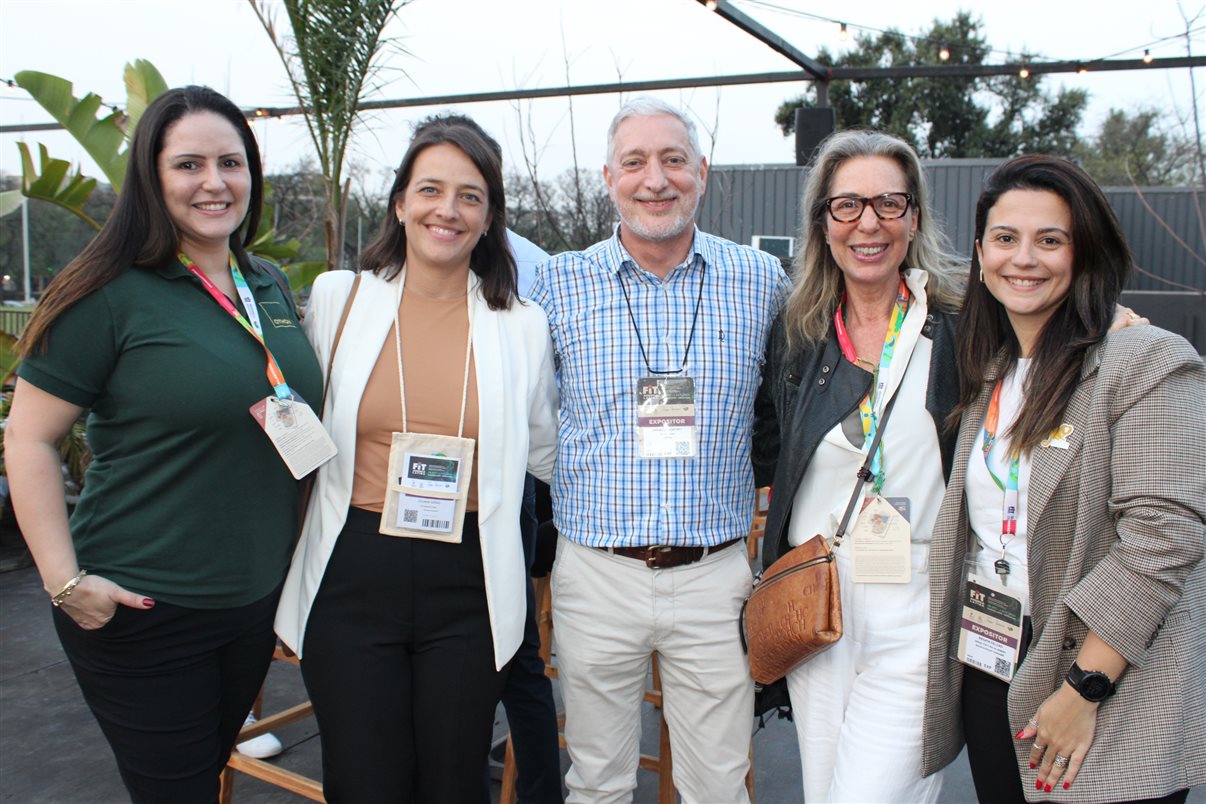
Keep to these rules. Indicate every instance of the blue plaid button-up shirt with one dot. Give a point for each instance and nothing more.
(605, 495)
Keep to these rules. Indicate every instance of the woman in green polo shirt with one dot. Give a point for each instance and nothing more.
(165, 579)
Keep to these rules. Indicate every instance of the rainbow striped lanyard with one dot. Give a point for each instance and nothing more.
(866, 408)
(275, 376)
(1009, 507)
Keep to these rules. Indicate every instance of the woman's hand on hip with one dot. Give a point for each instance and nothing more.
(94, 601)
(1062, 730)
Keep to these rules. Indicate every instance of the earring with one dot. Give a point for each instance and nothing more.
(981, 275)
(401, 221)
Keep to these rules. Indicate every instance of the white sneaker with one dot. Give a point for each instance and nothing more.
(262, 747)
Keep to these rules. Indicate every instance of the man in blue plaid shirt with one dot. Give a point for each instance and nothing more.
(659, 334)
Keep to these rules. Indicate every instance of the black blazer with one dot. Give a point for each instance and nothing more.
(805, 392)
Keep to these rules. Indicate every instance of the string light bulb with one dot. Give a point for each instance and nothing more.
(1024, 73)
(1081, 69)
(944, 53)
(710, 5)
(843, 33)
(1147, 56)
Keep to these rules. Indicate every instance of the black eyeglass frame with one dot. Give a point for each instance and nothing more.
(864, 201)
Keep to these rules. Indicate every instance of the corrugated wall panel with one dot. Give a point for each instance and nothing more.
(743, 201)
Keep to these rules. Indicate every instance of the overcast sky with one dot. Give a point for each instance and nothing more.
(460, 46)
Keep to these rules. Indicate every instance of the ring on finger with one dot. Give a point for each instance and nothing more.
(1061, 761)
(1038, 747)
(1032, 723)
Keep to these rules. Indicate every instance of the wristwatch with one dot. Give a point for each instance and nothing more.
(1092, 685)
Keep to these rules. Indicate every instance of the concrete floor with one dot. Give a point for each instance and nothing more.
(52, 752)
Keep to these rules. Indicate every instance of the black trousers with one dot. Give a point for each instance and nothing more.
(398, 659)
(528, 696)
(990, 753)
(170, 688)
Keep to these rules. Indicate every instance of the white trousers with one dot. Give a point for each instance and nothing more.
(858, 706)
(610, 613)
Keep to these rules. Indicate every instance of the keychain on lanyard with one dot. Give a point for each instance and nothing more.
(1009, 507)
(866, 409)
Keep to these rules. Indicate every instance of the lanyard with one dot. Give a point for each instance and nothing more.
(866, 408)
(275, 377)
(1009, 509)
(460, 432)
(690, 337)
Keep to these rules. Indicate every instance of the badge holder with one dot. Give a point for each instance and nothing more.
(666, 418)
(428, 486)
(881, 542)
(989, 625)
(427, 489)
(296, 432)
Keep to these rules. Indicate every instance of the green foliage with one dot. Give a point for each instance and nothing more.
(329, 61)
(948, 116)
(1133, 149)
(57, 183)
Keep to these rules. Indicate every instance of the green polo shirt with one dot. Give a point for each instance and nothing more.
(186, 500)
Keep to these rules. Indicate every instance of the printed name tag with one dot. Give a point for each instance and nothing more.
(666, 418)
(881, 543)
(296, 432)
(990, 628)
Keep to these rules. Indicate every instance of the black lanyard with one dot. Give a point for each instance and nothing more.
(637, 330)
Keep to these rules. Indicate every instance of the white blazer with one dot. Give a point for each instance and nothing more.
(517, 431)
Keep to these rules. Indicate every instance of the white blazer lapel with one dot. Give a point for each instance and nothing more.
(488, 361)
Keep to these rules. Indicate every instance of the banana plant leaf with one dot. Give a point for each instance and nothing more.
(101, 138)
(57, 183)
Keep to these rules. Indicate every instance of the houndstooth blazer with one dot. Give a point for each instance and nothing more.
(1117, 525)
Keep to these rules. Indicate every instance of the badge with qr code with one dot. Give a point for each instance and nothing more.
(428, 486)
(990, 628)
(666, 417)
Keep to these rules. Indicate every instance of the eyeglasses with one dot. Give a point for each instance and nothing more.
(887, 207)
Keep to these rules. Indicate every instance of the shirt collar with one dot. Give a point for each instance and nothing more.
(701, 247)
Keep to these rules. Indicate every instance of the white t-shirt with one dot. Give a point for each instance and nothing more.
(912, 462)
(985, 498)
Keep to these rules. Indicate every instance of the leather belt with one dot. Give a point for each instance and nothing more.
(664, 556)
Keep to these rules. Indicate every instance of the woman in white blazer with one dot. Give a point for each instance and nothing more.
(405, 599)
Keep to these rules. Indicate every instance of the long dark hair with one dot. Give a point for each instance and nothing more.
(139, 231)
(491, 258)
(1101, 262)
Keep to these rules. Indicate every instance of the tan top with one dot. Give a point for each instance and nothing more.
(433, 357)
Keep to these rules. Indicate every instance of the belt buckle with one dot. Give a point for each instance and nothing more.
(653, 553)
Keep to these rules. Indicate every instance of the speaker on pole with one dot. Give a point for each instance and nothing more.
(812, 126)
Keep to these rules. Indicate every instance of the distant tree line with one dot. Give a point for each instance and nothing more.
(994, 116)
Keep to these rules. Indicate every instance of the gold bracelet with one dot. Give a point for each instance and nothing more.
(66, 591)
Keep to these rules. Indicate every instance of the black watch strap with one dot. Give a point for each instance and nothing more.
(1092, 685)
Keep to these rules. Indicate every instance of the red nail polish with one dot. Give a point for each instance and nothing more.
(1067, 785)
(1038, 784)
(147, 603)
(1033, 766)
(1047, 789)
(1018, 736)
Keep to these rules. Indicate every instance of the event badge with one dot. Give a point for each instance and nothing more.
(666, 417)
(881, 542)
(296, 432)
(990, 628)
(428, 486)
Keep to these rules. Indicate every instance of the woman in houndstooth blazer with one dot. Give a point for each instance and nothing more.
(1088, 507)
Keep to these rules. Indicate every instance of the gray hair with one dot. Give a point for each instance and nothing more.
(818, 281)
(648, 106)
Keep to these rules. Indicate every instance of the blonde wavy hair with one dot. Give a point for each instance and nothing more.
(817, 280)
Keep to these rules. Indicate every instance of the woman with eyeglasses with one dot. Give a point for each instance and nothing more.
(871, 317)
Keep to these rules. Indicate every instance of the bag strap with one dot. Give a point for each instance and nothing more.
(343, 319)
(864, 471)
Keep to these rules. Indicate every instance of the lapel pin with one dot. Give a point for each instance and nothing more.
(1059, 436)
